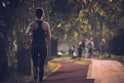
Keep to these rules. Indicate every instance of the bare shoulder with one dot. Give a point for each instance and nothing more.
(33, 24)
(45, 23)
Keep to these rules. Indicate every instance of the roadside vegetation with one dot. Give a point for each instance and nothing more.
(75, 60)
(110, 57)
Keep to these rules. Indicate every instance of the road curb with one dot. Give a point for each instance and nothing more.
(89, 71)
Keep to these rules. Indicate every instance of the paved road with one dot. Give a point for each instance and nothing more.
(100, 71)
(106, 71)
(70, 73)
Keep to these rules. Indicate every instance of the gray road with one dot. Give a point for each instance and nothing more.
(106, 71)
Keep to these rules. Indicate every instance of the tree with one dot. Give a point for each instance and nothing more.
(9, 23)
(5, 27)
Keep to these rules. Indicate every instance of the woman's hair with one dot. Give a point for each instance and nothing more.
(39, 12)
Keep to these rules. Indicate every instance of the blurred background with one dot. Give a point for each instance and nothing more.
(71, 21)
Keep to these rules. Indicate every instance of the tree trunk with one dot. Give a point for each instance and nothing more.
(3, 64)
(24, 61)
(3, 55)
(3, 40)
(54, 44)
(23, 53)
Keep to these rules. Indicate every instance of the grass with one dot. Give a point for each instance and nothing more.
(70, 59)
(51, 67)
(103, 56)
(111, 57)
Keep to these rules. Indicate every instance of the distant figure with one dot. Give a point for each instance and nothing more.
(79, 50)
(69, 51)
(85, 47)
(91, 47)
(40, 34)
(72, 49)
(102, 46)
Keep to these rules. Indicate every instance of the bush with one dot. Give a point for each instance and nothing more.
(117, 43)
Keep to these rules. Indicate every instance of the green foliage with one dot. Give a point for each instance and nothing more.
(71, 18)
(94, 18)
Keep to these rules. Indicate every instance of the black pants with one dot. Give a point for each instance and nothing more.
(39, 54)
(79, 52)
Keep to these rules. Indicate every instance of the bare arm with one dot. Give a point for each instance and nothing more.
(48, 31)
(28, 31)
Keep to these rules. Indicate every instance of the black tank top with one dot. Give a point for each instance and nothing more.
(39, 35)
